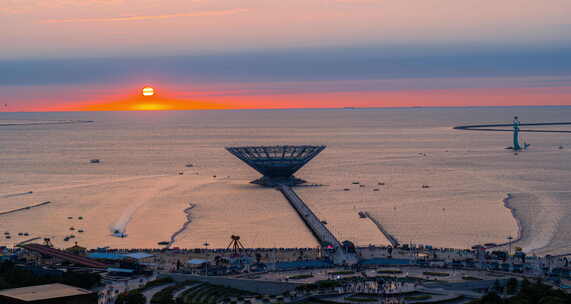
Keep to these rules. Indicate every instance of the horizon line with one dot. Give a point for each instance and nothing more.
(295, 108)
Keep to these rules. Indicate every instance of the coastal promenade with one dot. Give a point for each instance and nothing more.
(323, 235)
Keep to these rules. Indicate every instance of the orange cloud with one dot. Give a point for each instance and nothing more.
(141, 103)
(426, 98)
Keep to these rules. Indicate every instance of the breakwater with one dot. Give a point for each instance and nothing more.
(25, 208)
(17, 194)
(493, 127)
(43, 123)
(393, 240)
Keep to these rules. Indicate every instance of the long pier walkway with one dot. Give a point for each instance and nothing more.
(394, 242)
(323, 235)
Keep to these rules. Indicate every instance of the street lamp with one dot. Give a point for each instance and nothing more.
(510, 238)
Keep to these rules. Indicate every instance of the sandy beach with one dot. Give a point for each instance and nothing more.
(543, 220)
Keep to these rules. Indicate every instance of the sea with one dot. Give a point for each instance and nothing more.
(163, 172)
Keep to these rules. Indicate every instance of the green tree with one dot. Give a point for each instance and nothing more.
(511, 286)
(492, 298)
(132, 297)
(497, 286)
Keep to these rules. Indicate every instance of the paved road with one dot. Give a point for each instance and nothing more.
(180, 292)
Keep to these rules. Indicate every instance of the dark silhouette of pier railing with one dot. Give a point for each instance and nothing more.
(339, 254)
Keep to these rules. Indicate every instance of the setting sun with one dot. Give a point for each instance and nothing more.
(150, 107)
(148, 91)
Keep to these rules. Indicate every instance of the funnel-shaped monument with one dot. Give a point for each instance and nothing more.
(277, 164)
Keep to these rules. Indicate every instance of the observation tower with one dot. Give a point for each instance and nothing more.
(277, 164)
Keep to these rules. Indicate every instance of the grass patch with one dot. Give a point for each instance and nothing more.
(436, 274)
(421, 297)
(300, 277)
(360, 299)
(389, 271)
(157, 282)
(342, 272)
(212, 294)
(471, 278)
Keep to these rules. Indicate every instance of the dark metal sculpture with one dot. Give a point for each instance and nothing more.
(236, 245)
(277, 164)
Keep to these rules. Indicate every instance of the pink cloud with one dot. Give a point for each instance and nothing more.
(149, 17)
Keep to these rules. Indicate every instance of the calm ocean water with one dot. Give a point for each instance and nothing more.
(137, 187)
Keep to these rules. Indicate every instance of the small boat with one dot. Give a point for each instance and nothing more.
(26, 234)
(189, 165)
(381, 184)
(425, 186)
(120, 234)
(80, 230)
(94, 161)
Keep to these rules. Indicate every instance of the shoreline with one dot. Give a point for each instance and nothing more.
(188, 212)
(519, 223)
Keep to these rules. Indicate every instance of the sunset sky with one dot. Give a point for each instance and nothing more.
(69, 55)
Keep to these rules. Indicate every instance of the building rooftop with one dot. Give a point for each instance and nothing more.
(197, 261)
(106, 256)
(119, 256)
(43, 292)
(60, 254)
(139, 255)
